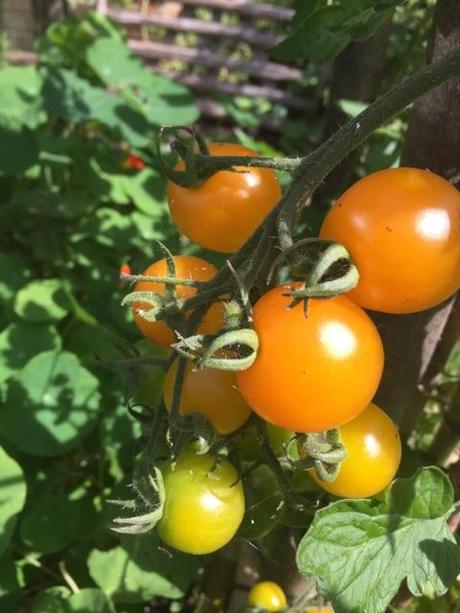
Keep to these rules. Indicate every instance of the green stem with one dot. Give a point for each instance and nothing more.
(208, 165)
(165, 280)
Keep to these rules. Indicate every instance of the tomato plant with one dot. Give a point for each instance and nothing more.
(211, 391)
(223, 212)
(402, 229)
(374, 453)
(330, 368)
(267, 595)
(264, 503)
(204, 503)
(248, 444)
(187, 267)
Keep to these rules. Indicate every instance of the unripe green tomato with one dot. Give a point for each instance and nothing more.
(264, 503)
(204, 503)
(267, 595)
(248, 445)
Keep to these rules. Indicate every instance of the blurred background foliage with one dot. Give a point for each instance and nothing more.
(72, 213)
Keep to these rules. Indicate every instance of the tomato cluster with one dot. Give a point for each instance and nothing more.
(319, 362)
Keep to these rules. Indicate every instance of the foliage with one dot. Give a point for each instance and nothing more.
(72, 213)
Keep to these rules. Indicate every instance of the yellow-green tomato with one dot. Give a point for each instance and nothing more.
(267, 595)
(373, 455)
(204, 503)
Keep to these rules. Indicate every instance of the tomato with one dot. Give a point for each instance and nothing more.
(133, 162)
(223, 212)
(248, 445)
(204, 503)
(312, 372)
(264, 503)
(212, 391)
(267, 595)
(374, 453)
(319, 610)
(402, 229)
(187, 267)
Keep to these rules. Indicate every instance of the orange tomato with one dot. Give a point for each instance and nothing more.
(373, 455)
(312, 372)
(223, 212)
(402, 229)
(319, 610)
(187, 267)
(211, 391)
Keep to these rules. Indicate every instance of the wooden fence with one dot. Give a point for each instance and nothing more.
(203, 63)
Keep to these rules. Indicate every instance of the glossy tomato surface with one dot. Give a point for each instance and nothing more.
(187, 267)
(223, 212)
(211, 391)
(374, 454)
(204, 503)
(312, 372)
(267, 595)
(402, 229)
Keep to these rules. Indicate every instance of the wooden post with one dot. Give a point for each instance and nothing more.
(19, 24)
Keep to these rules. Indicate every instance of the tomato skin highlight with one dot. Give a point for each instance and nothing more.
(402, 229)
(267, 595)
(204, 503)
(374, 454)
(187, 267)
(312, 373)
(213, 392)
(223, 212)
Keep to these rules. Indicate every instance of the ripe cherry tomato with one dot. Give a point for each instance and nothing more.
(374, 453)
(312, 372)
(223, 212)
(267, 595)
(187, 267)
(319, 610)
(133, 162)
(212, 391)
(264, 503)
(204, 503)
(402, 229)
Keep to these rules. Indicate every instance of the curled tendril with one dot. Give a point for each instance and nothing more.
(322, 451)
(219, 351)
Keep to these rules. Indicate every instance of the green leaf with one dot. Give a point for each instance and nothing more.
(90, 600)
(8, 577)
(361, 550)
(157, 98)
(52, 600)
(42, 300)
(20, 341)
(53, 521)
(51, 404)
(14, 275)
(72, 98)
(12, 497)
(137, 570)
(320, 31)
(18, 151)
(20, 98)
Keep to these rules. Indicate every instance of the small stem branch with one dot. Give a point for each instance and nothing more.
(68, 577)
(165, 280)
(207, 165)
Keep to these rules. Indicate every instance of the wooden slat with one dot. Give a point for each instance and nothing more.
(258, 68)
(209, 84)
(246, 7)
(186, 24)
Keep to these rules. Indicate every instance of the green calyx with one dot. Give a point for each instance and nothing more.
(322, 451)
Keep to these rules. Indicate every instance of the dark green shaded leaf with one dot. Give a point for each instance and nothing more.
(12, 496)
(18, 150)
(51, 404)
